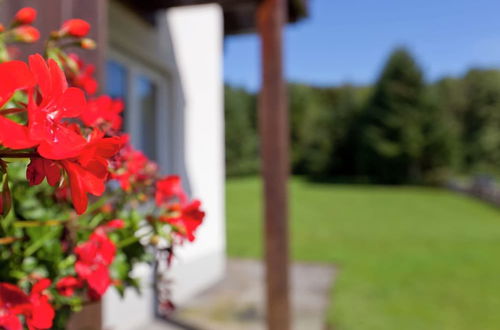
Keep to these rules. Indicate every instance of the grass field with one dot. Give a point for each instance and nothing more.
(409, 258)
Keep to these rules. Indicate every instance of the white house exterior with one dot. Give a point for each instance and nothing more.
(170, 77)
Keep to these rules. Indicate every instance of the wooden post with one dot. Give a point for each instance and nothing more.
(273, 126)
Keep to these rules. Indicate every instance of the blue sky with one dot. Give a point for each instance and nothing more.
(348, 40)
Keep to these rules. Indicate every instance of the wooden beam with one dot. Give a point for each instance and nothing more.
(274, 134)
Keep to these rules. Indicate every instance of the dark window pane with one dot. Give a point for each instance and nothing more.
(116, 84)
(147, 107)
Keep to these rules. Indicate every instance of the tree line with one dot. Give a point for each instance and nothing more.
(400, 130)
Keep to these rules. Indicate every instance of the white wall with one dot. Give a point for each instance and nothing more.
(187, 47)
(197, 37)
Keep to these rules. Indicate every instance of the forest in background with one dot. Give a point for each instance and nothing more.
(400, 130)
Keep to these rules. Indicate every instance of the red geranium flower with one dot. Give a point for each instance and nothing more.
(103, 111)
(132, 166)
(13, 302)
(56, 102)
(76, 27)
(186, 223)
(94, 258)
(112, 225)
(84, 78)
(25, 15)
(42, 313)
(66, 286)
(169, 188)
(87, 173)
(83, 180)
(55, 139)
(85, 161)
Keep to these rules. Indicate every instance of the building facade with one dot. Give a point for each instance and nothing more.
(174, 113)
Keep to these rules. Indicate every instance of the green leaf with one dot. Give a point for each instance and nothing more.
(39, 242)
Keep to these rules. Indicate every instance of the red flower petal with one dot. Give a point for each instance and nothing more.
(72, 103)
(168, 188)
(14, 135)
(10, 322)
(42, 313)
(39, 168)
(59, 82)
(66, 286)
(12, 297)
(40, 286)
(115, 224)
(99, 279)
(40, 70)
(60, 142)
(15, 76)
(82, 182)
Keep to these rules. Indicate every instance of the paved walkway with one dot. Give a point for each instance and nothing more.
(237, 303)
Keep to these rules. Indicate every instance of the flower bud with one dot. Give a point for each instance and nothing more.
(26, 33)
(87, 43)
(2, 28)
(25, 16)
(75, 27)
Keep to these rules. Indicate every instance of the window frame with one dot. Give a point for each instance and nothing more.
(133, 124)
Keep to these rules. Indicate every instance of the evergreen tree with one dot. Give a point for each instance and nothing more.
(393, 134)
(480, 119)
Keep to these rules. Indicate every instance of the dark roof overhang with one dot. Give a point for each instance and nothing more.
(239, 15)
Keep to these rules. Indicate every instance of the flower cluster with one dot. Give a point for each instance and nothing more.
(183, 216)
(35, 307)
(61, 147)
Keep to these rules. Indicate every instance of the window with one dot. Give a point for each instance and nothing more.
(116, 83)
(144, 93)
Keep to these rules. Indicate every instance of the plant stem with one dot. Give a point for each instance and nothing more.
(132, 240)
(25, 224)
(7, 240)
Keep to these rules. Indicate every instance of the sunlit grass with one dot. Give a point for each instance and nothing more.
(409, 258)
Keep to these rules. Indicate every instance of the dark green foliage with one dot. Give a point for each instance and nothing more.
(481, 119)
(401, 130)
(322, 129)
(241, 132)
(311, 134)
(393, 137)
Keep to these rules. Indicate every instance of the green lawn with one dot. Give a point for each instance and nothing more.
(409, 258)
